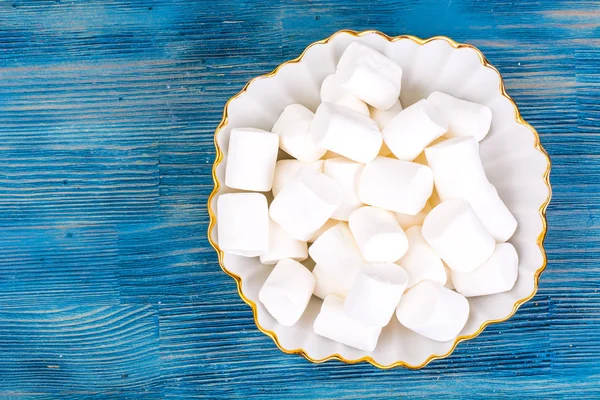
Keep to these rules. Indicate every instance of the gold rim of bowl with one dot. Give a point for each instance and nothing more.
(369, 359)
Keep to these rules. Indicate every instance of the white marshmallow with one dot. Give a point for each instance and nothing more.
(293, 128)
(354, 104)
(286, 292)
(496, 275)
(433, 311)
(306, 203)
(369, 75)
(337, 260)
(329, 224)
(286, 170)
(409, 132)
(396, 185)
(383, 117)
(375, 293)
(282, 245)
(333, 324)
(251, 159)
(464, 117)
(347, 174)
(346, 132)
(458, 173)
(332, 90)
(455, 233)
(243, 223)
(378, 235)
(406, 221)
(421, 262)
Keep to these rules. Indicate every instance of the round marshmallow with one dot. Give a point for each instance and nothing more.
(286, 170)
(455, 233)
(369, 75)
(375, 293)
(293, 128)
(347, 174)
(420, 261)
(464, 118)
(346, 132)
(332, 281)
(330, 223)
(378, 235)
(395, 185)
(496, 275)
(458, 173)
(251, 159)
(409, 132)
(243, 223)
(333, 324)
(433, 311)
(286, 292)
(306, 203)
(282, 245)
(383, 117)
(406, 221)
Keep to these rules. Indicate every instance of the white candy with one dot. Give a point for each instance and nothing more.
(369, 75)
(406, 221)
(433, 311)
(354, 104)
(415, 127)
(496, 275)
(464, 118)
(347, 174)
(333, 324)
(383, 117)
(458, 173)
(378, 235)
(286, 292)
(421, 262)
(282, 245)
(396, 185)
(346, 132)
(330, 223)
(306, 203)
(337, 260)
(243, 223)
(293, 128)
(375, 293)
(455, 233)
(332, 92)
(286, 170)
(251, 159)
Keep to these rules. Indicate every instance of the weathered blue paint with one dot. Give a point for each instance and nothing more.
(108, 287)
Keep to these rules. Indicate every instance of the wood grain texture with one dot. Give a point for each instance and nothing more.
(109, 288)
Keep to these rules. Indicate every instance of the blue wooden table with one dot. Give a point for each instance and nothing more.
(108, 286)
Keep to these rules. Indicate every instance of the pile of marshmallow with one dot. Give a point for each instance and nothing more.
(396, 203)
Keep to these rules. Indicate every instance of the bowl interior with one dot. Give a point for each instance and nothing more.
(512, 157)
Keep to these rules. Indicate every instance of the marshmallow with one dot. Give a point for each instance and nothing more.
(337, 260)
(354, 104)
(282, 245)
(251, 159)
(406, 221)
(243, 223)
(449, 284)
(333, 324)
(306, 203)
(433, 311)
(375, 293)
(347, 174)
(458, 173)
(383, 117)
(330, 223)
(286, 170)
(409, 132)
(496, 275)
(455, 233)
(395, 185)
(346, 132)
(333, 92)
(464, 118)
(369, 75)
(421, 262)
(286, 292)
(293, 128)
(378, 235)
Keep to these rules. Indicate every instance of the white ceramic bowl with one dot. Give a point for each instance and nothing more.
(512, 156)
